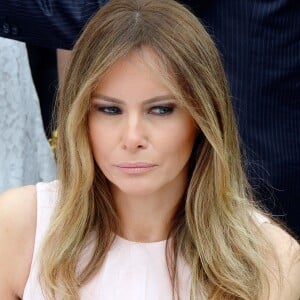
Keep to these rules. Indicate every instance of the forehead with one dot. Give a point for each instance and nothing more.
(137, 76)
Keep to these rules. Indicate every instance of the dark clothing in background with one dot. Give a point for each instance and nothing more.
(46, 23)
(260, 44)
(43, 65)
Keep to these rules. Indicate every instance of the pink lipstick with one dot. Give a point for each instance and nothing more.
(135, 167)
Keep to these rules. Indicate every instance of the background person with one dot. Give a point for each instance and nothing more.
(259, 42)
(25, 155)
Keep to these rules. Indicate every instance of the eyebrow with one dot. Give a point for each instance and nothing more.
(146, 101)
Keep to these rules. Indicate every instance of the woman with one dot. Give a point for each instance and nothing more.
(152, 201)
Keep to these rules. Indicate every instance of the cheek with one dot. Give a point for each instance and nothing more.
(99, 140)
(180, 141)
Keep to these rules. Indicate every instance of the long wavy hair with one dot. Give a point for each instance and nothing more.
(214, 229)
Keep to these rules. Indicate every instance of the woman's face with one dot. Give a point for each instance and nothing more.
(140, 136)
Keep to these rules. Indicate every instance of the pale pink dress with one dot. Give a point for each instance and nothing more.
(132, 271)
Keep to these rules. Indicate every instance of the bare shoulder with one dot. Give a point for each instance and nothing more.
(24, 197)
(287, 250)
(17, 233)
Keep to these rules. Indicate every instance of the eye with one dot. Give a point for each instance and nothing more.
(109, 110)
(161, 110)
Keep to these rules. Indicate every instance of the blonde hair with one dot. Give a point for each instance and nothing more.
(213, 229)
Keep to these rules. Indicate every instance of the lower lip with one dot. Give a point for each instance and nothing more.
(136, 170)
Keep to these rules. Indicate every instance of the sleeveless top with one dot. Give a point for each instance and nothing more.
(131, 270)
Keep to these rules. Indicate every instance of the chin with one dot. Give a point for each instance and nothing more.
(137, 190)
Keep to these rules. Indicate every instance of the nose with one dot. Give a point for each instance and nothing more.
(134, 134)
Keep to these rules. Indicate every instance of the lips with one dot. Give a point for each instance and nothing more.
(135, 167)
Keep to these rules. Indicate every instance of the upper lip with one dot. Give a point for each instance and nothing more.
(135, 165)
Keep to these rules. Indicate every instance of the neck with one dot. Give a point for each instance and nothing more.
(147, 218)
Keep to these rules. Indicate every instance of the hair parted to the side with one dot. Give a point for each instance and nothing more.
(214, 229)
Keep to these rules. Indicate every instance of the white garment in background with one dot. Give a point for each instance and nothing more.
(25, 154)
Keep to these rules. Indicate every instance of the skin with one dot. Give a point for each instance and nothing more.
(146, 201)
(135, 119)
(17, 233)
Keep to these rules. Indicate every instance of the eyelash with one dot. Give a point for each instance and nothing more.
(161, 110)
(109, 110)
(166, 109)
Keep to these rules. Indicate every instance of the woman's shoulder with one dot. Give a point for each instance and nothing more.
(15, 204)
(17, 234)
(287, 251)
